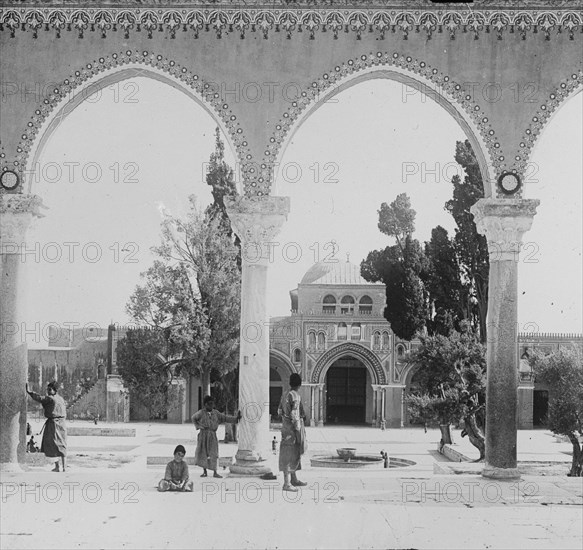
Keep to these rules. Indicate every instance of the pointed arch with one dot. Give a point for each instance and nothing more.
(414, 73)
(366, 356)
(96, 75)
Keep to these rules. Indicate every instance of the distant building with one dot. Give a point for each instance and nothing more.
(351, 362)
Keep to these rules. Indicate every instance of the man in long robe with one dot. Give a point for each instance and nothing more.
(54, 441)
(207, 420)
(293, 435)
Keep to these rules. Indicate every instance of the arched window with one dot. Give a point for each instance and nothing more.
(385, 340)
(400, 351)
(365, 305)
(311, 340)
(376, 340)
(297, 355)
(342, 331)
(347, 306)
(329, 304)
(321, 340)
(356, 331)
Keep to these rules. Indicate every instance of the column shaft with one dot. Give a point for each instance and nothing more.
(16, 214)
(256, 220)
(503, 222)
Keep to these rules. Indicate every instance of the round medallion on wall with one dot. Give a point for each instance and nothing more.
(509, 183)
(9, 180)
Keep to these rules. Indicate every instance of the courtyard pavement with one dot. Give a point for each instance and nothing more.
(108, 498)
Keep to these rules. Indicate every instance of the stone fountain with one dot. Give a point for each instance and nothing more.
(348, 458)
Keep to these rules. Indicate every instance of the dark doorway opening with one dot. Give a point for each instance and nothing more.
(346, 395)
(540, 407)
(275, 393)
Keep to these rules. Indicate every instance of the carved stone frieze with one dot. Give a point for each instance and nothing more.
(289, 16)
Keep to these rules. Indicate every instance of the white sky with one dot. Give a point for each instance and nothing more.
(141, 146)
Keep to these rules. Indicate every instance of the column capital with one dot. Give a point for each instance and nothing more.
(256, 221)
(16, 213)
(504, 222)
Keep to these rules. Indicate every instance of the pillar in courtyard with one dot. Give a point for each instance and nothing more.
(256, 221)
(503, 222)
(16, 213)
(321, 398)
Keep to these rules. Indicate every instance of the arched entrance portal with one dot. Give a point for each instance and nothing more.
(280, 369)
(347, 381)
(275, 392)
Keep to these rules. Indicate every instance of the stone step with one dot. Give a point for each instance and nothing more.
(103, 432)
(224, 461)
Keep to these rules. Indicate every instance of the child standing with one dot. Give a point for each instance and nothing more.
(207, 420)
(176, 476)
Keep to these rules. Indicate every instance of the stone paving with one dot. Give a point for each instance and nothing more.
(114, 504)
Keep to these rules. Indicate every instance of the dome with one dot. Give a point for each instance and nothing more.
(334, 273)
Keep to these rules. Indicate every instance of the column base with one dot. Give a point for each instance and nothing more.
(10, 468)
(250, 463)
(493, 472)
(320, 423)
(250, 468)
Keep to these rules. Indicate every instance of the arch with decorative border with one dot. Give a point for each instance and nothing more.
(568, 88)
(117, 67)
(283, 359)
(398, 67)
(368, 358)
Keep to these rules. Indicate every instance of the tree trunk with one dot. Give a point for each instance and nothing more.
(577, 462)
(445, 435)
(475, 435)
(206, 383)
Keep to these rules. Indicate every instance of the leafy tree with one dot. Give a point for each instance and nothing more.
(193, 293)
(563, 372)
(144, 372)
(451, 376)
(400, 268)
(471, 248)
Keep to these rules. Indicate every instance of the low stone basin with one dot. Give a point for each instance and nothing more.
(369, 462)
(346, 453)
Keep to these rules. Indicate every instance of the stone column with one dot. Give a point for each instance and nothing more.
(16, 213)
(256, 220)
(382, 418)
(321, 405)
(394, 405)
(312, 405)
(375, 406)
(503, 222)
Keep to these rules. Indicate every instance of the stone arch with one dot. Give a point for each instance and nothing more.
(400, 68)
(567, 89)
(282, 359)
(368, 358)
(407, 375)
(84, 82)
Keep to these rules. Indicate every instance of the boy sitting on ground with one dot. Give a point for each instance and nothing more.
(176, 476)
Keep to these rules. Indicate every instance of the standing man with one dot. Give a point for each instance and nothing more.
(54, 442)
(293, 435)
(207, 420)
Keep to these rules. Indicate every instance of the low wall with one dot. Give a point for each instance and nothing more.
(106, 432)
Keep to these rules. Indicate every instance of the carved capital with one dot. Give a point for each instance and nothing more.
(16, 214)
(257, 220)
(504, 222)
